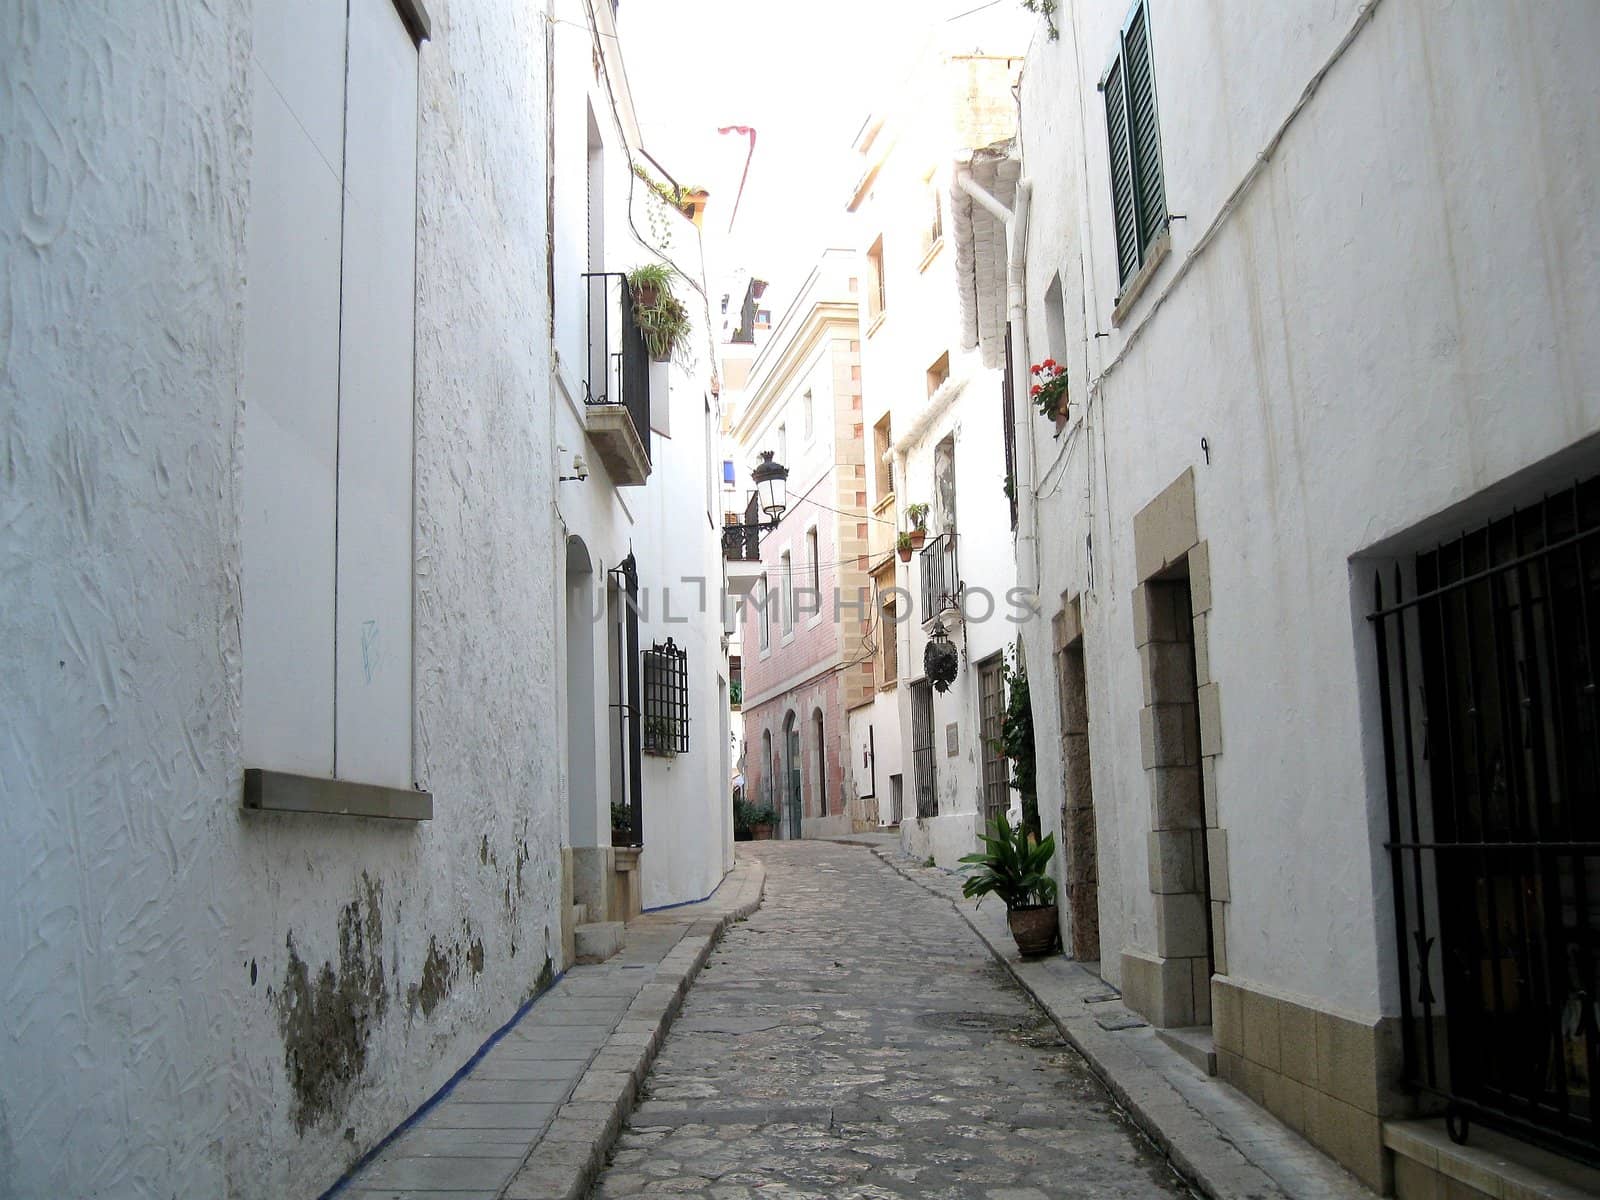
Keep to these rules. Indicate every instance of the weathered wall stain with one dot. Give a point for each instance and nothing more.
(326, 1023)
(438, 973)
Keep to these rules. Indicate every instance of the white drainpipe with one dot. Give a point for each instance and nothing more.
(1016, 223)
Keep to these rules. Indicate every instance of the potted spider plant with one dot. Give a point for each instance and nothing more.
(904, 545)
(662, 318)
(1015, 867)
(918, 516)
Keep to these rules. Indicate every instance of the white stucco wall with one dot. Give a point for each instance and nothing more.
(665, 523)
(1392, 317)
(165, 952)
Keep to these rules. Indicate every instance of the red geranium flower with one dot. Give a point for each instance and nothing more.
(1035, 389)
(1036, 368)
(1050, 362)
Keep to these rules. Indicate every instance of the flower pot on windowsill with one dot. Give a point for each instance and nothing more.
(1033, 928)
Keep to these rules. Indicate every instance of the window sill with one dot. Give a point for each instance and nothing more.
(884, 505)
(932, 253)
(277, 791)
(1154, 257)
(876, 323)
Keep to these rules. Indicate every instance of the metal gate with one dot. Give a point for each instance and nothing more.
(991, 713)
(922, 749)
(791, 744)
(1491, 739)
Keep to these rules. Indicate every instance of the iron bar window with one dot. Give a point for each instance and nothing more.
(922, 750)
(1491, 740)
(937, 563)
(666, 699)
(991, 712)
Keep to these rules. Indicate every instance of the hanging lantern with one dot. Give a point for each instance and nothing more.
(940, 660)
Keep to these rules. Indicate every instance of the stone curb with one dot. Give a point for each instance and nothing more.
(567, 1159)
(1204, 1155)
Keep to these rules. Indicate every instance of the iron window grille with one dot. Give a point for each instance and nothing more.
(1133, 144)
(666, 699)
(941, 588)
(991, 713)
(1491, 742)
(922, 750)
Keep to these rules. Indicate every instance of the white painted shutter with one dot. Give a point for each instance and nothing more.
(374, 582)
(290, 386)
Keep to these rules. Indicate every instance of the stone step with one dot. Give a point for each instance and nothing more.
(1195, 1043)
(599, 940)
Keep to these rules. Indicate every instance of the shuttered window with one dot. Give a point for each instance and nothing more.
(1138, 192)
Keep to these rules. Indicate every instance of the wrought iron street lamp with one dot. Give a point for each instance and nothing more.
(771, 496)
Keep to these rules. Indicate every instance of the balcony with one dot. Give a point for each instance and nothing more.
(741, 551)
(941, 582)
(616, 386)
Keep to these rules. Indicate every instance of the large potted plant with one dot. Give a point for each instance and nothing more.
(1015, 867)
(662, 318)
(917, 514)
(762, 819)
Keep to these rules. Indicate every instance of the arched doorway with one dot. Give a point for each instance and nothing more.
(791, 776)
(583, 825)
(820, 740)
(769, 772)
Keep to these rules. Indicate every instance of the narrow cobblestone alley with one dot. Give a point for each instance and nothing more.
(854, 1038)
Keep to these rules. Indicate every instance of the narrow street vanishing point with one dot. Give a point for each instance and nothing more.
(854, 1038)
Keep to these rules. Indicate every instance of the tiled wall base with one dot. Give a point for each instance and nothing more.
(1167, 992)
(1491, 1166)
(1331, 1078)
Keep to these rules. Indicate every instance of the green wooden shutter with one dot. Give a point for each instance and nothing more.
(1148, 187)
(1122, 202)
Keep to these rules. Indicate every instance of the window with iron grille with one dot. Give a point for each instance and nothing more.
(1487, 674)
(666, 699)
(991, 710)
(1133, 142)
(922, 756)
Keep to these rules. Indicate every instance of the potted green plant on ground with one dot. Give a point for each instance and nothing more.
(662, 318)
(1015, 867)
(917, 514)
(904, 545)
(761, 822)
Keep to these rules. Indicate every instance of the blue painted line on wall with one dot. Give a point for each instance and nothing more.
(428, 1105)
(686, 903)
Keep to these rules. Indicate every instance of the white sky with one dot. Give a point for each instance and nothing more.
(805, 76)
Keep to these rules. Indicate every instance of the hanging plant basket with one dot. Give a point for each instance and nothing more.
(941, 661)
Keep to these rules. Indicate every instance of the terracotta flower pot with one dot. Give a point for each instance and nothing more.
(905, 553)
(1034, 928)
(918, 536)
(761, 833)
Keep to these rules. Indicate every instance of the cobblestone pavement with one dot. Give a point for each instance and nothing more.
(854, 1038)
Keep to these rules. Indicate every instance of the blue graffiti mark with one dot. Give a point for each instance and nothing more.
(369, 648)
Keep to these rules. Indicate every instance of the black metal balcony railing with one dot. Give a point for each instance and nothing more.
(742, 543)
(941, 586)
(617, 370)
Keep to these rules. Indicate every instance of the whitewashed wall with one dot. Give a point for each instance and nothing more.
(163, 953)
(1393, 317)
(666, 523)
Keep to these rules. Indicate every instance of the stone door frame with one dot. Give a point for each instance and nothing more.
(1179, 740)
